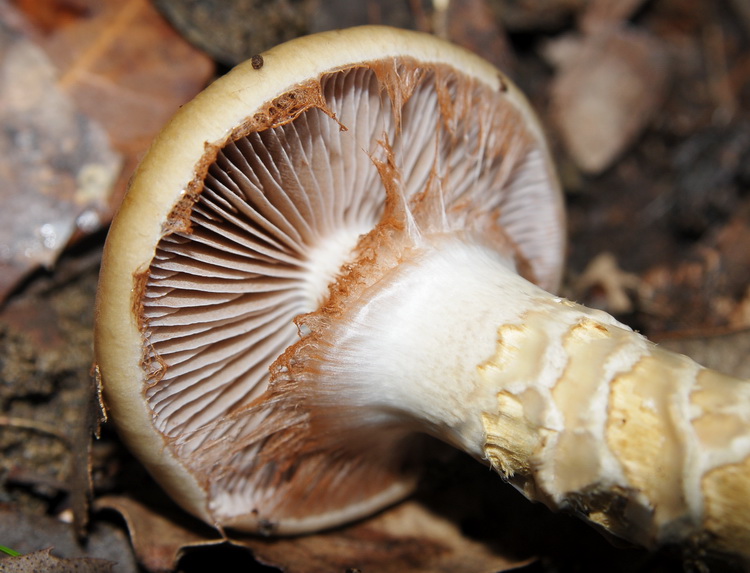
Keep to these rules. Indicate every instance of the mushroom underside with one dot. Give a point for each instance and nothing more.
(293, 221)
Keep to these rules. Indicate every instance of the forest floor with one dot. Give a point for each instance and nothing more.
(658, 221)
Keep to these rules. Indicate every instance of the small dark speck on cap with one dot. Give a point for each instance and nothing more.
(503, 83)
(266, 527)
(256, 61)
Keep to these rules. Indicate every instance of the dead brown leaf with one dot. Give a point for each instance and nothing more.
(471, 24)
(121, 63)
(84, 87)
(156, 537)
(406, 538)
(43, 560)
(527, 15)
(604, 13)
(56, 164)
(607, 88)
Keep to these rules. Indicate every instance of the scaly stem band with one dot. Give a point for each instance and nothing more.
(644, 442)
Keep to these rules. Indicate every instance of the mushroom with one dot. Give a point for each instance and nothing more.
(324, 261)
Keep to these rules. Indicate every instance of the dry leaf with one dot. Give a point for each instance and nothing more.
(43, 560)
(157, 537)
(84, 87)
(406, 538)
(531, 15)
(121, 63)
(56, 164)
(605, 92)
(233, 30)
(464, 519)
(602, 14)
(471, 24)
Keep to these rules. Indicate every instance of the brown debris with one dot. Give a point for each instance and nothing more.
(57, 167)
(470, 23)
(616, 286)
(607, 88)
(405, 538)
(78, 115)
(50, 545)
(603, 14)
(43, 560)
(535, 15)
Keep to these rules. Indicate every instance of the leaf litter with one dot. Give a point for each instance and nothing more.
(679, 273)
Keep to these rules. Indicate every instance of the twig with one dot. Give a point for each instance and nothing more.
(26, 424)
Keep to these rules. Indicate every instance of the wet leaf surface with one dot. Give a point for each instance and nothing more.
(121, 63)
(77, 114)
(57, 167)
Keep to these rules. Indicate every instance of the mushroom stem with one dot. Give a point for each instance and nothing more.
(571, 406)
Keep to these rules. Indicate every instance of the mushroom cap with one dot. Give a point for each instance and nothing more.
(326, 163)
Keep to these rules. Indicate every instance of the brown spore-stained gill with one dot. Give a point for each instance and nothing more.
(281, 189)
(279, 111)
(151, 363)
